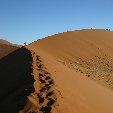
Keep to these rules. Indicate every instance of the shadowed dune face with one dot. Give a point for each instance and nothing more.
(16, 81)
(44, 99)
(6, 48)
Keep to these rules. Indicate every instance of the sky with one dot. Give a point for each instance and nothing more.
(29, 20)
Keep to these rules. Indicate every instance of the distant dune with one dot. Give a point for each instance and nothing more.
(4, 42)
(6, 48)
(81, 65)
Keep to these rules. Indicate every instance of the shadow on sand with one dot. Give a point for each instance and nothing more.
(16, 81)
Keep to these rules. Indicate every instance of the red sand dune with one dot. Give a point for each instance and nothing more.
(73, 73)
(6, 48)
(80, 63)
(4, 42)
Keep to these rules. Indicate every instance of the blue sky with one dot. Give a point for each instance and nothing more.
(28, 20)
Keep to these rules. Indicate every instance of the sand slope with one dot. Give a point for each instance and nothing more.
(16, 80)
(4, 42)
(6, 48)
(43, 99)
(74, 59)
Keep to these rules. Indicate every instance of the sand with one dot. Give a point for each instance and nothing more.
(6, 48)
(80, 63)
(71, 72)
(16, 81)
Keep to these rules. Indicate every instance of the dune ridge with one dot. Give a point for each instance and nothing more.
(4, 42)
(71, 55)
(96, 63)
(43, 99)
(70, 72)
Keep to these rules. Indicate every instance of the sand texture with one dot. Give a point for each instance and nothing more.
(81, 66)
(6, 48)
(16, 81)
(70, 72)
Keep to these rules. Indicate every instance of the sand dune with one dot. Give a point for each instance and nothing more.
(16, 81)
(4, 42)
(70, 72)
(6, 48)
(44, 98)
(80, 63)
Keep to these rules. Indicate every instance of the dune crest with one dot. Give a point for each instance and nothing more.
(43, 99)
(74, 57)
(4, 42)
(70, 72)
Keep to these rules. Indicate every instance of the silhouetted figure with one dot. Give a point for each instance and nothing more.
(24, 43)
